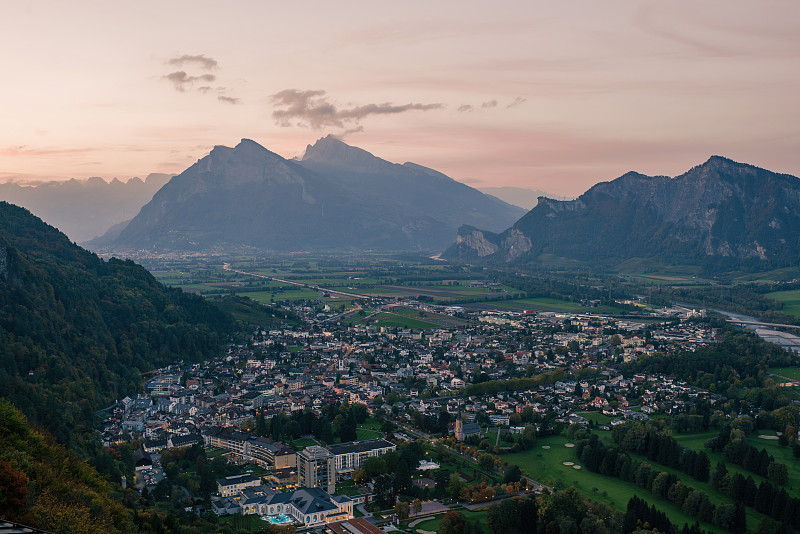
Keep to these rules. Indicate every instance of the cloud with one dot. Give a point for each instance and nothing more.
(517, 102)
(489, 104)
(313, 109)
(228, 99)
(465, 108)
(26, 151)
(204, 62)
(180, 80)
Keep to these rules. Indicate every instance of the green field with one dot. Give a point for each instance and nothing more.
(302, 443)
(546, 465)
(266, 297)
(363, 433)
(789, 299)
(597, 417)
(788, 372)
(432, 525)
(371, 423)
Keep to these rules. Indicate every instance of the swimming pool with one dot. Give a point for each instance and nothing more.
(280, 519)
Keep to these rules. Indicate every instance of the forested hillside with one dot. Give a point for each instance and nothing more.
(42, 485)
(77, 332)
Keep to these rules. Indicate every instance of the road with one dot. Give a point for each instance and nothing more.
(759, 323)
(227, 267)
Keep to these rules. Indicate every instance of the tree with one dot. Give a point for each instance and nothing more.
(452, 523)
(13, 491)
(416, 506)
(383, 484)
(455, 486)
(778, 473)
(402, 477)
(360, 476)
(528, 438)
(486, 462)
(512, 474)
(527, 511)
(401, 509)
(495, 520)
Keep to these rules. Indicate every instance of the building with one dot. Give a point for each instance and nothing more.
(349, 456)
(315, 468)
(310, 507)
(161, 385)
(350, 526)
(142, 461)
(187, 440)
(466, 430)
(245, 447)
(271, 454)
(232, 485)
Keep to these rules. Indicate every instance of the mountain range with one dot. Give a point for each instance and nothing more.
(718, 215)
(335, 198)
(84, 209)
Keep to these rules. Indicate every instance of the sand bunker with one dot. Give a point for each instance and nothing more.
(569, 445)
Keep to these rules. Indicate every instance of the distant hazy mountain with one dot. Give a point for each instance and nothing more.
(337, 198)
(420, 190)
(719, 215)
(518, 196)
(83, 209)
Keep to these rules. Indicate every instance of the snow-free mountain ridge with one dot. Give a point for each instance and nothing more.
(718, 215)
(338, 197)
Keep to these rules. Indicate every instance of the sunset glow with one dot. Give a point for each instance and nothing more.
(544, 95)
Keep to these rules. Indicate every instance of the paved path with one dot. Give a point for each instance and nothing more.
(432, 507)
(416, 522)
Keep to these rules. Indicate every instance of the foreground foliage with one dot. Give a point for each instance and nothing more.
(43, 485)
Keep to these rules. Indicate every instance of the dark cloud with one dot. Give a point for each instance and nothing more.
(466, 108)
(313, 109)
(180, 80)
(228, 99)
(489, 104)
(204, 62)
(517, 102)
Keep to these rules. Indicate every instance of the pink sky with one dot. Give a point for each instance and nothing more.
(546, 95)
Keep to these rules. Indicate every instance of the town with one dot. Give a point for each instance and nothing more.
(410, 385)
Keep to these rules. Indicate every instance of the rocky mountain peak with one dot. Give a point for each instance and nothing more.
(336, 154)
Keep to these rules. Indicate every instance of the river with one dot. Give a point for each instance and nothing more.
(782, 339)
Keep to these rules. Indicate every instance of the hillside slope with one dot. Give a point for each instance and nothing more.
(76, 332)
